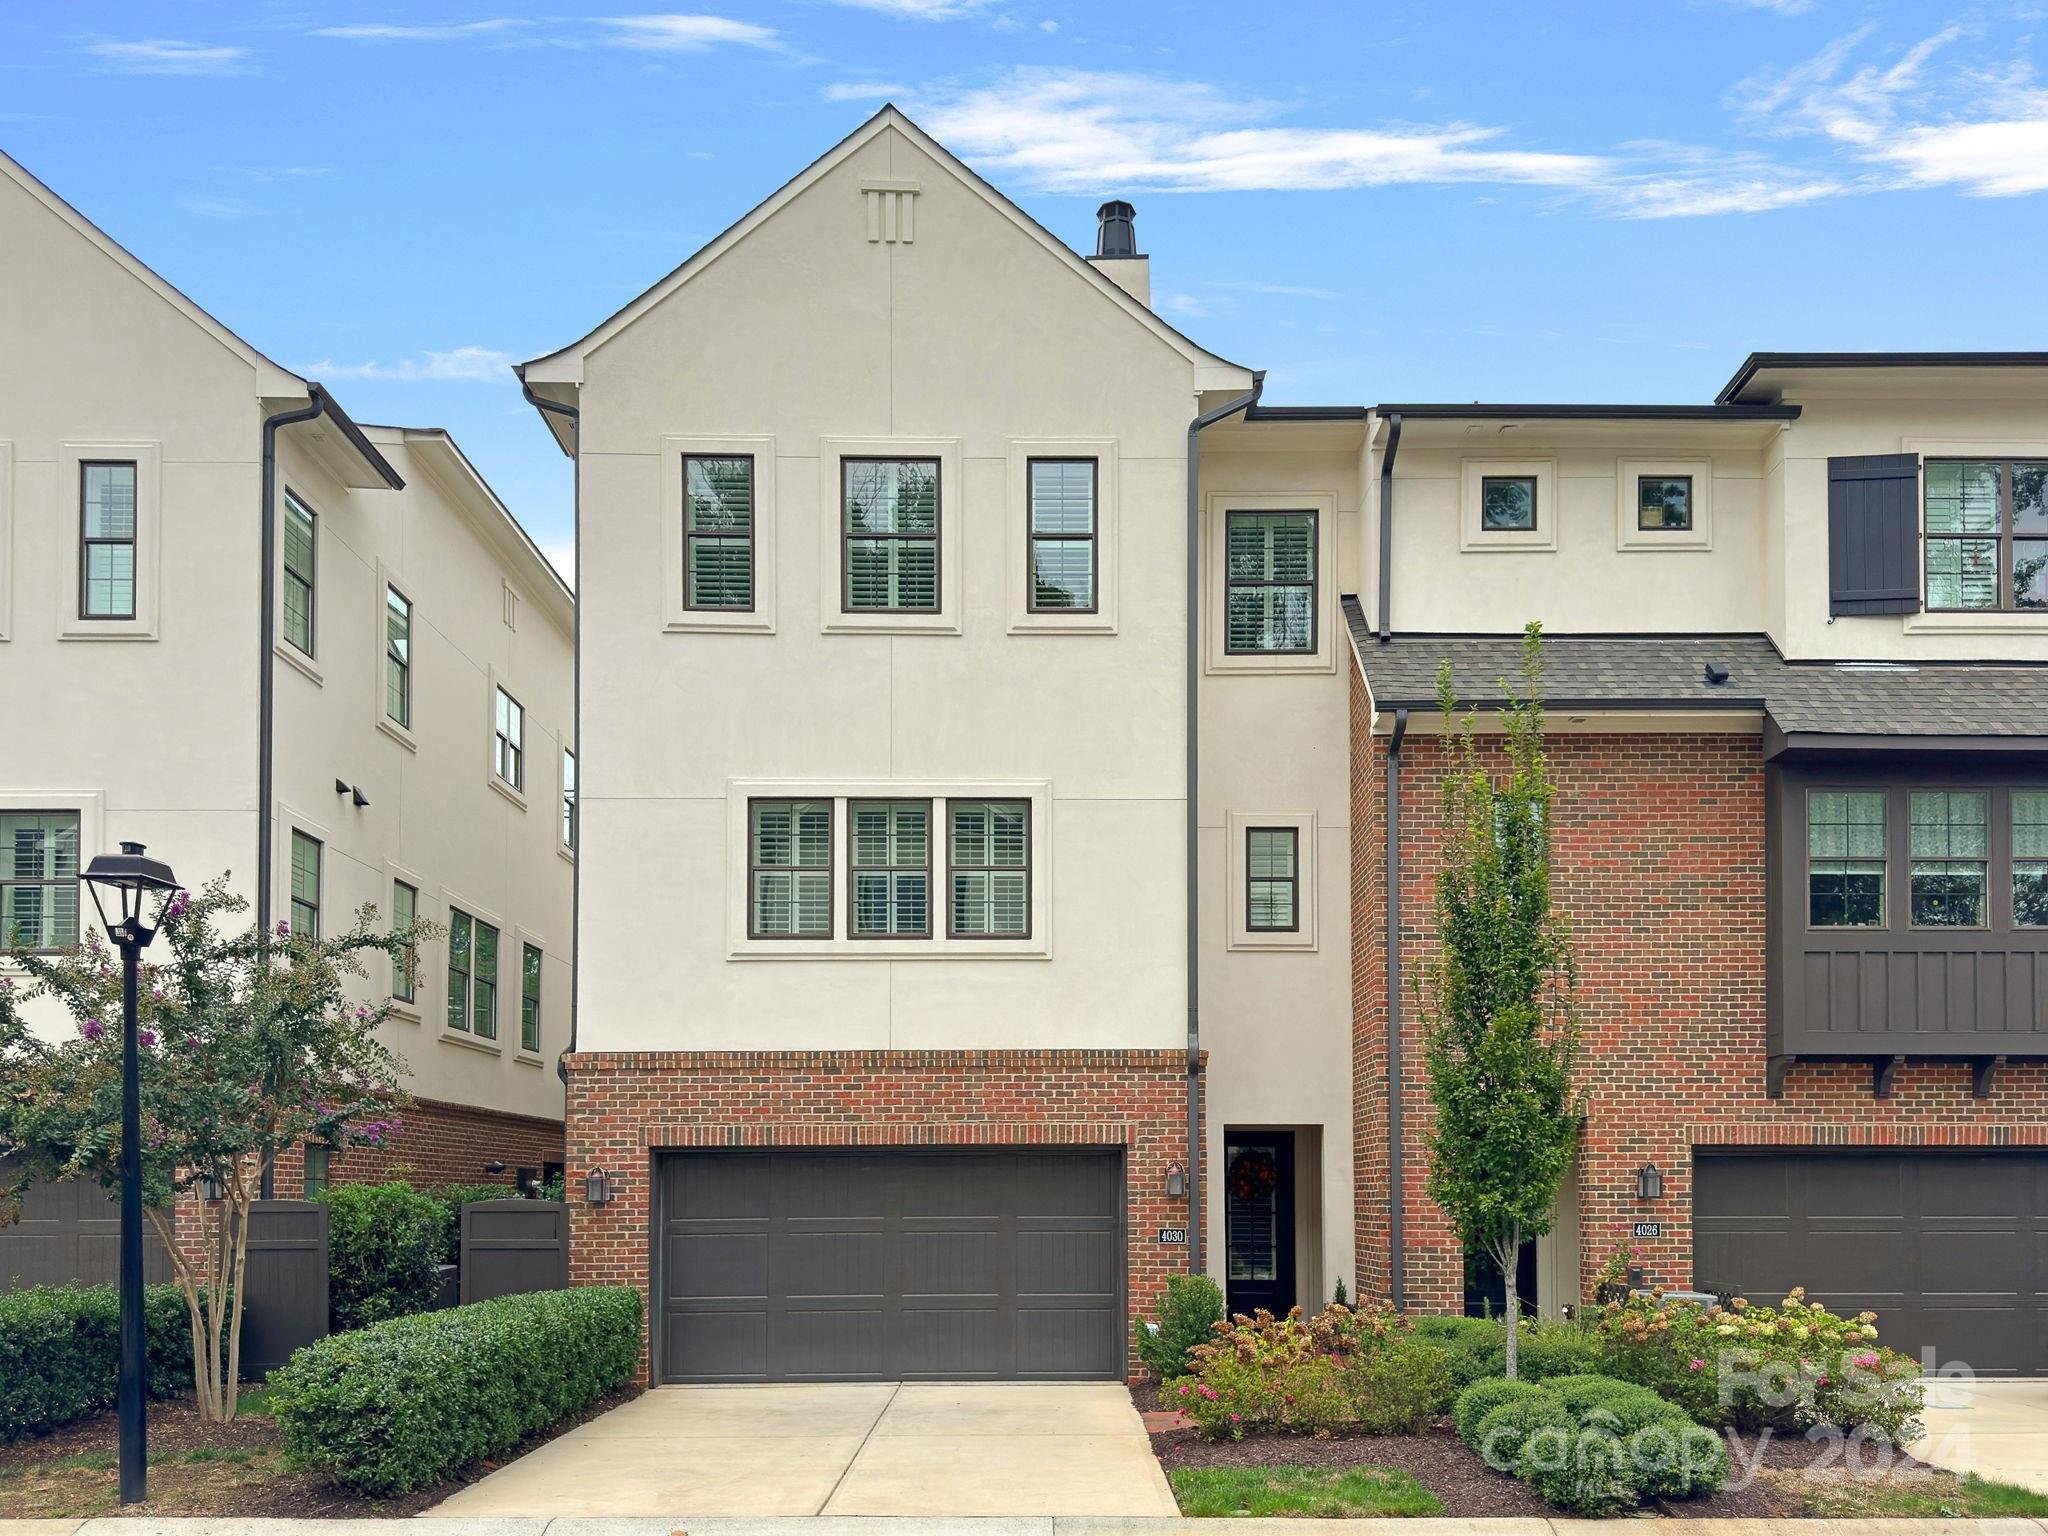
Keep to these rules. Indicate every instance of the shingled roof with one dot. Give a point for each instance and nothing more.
(1669, 672)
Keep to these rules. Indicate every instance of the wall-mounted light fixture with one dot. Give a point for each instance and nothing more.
(495, 1165)
(1649, 1182)
(1176, 1182)
(597, 1187)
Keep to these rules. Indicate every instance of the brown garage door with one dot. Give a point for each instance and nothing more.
(870, 1265)
(1950, 1250)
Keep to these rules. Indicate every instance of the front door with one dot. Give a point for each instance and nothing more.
(1258, 1221)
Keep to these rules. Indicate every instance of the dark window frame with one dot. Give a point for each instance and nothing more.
(854, 869)
(2007, 538)
(406, 965)
(1993, 797)
(1884, 901)
(753, 537)
(831, 805)
(1535, 484)
(1028, 866)
(300, 835)
(459, 978)
(77, 879)
(311, 1184)
(87, 543)
(936, 538)
(1292, 881)
(1898, 894)
(394, 663)
(310, 579)
(529, 1002)
(1314, 582)
(482, 1006)
(1093, 537)
(1691, 490)
(2010, 890)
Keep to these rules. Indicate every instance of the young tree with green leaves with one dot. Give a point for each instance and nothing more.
(250, 1044)
(1497, 1002)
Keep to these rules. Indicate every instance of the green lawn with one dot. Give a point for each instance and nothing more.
(1300, 1491)
(1967, 1498)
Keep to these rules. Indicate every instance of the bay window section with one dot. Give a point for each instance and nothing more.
(1950, 846)
(789, 873)
(2030, 858)
(1845, 856)
(890, 535)
(989, 859)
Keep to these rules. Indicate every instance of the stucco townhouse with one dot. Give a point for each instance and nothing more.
(946, 608)
(388, 723)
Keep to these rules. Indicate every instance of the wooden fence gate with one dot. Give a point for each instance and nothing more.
(285, 1284)
(70, 1234)
(512, 1246)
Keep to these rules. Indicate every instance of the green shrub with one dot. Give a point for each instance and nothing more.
(1584, 1393)
(410, 1401)
(1501, 1435)
(1395, 1390)
(1559, 1349)
(1669, 1455)
(1482, 1397)
(383, 1241)
(1586, 1471)
(1477, 1345)
(1186, 1316)
(60, 1352)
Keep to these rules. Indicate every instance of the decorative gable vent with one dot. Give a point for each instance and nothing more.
(889, 208)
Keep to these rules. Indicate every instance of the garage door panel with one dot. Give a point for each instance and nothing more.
(1067, 1262)
(1842, 1187)
(951, 1342)
(823, 1342)
(1066, 1186)
(1973, 1261)
(1861, 1256)
(951, 1263)
(811, 1264)
(740, 1191)
(702, 1264)
(728, 1345)
(839, 1189)
(1061, 1341)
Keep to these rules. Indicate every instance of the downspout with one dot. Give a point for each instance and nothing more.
(1397, 1269)
(266, 687)
(1387, 528)
(1194, 782)
(575, 416)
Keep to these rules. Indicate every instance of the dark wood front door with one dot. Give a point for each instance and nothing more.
(1258, 1221)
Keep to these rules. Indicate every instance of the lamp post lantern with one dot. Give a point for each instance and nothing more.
(141, 886)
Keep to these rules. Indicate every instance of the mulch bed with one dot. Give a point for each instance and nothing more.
(1788, 1469)
(220, 1470)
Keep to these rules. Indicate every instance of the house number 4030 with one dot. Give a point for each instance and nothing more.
(1174, 1235)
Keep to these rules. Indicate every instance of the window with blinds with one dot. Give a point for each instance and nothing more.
(529, 997)
(1062, 495)
(890, 535)
(483, 985)
(397, 657)
(1987, 534)
(301, 543)
(1269, 597)
(890, 873)
(789, 869)
(718, 532)
(461, 965)
(38, 879)
(1271, 879)
(509, 748)
(306, 855)
(405, 911)
(990, 868)
(106, 556)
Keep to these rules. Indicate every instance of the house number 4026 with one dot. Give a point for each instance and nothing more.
(1649, 1229)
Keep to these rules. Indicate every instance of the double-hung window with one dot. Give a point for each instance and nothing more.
(405, 911)
(989, 869)
(1064, 565)
(472, 975)
(38, 879)
(1987, 534)
(529, 997)
(1269, 592)
(509, 754)
(789, 873)
(306, 857)
(301, 544)
(398, 657)
(1951, 849)
(2030, 858)
(1272, 879)
(890, 871)
(568, 800)
(889, 528)
(106, 554)
(718, 532)
(461, 966)
(1845, 858)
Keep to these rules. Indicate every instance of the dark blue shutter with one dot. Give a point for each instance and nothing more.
(1874, 533)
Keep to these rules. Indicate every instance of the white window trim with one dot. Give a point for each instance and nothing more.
(493, 681)
(148, 457)
(402, 734)
(678, 618)
(739, 946)
(413, 1012)
(832, 451)
(1241, 936)
(1476, 540)
(1991, 621)
(290, 820)
(1628, 538)
(521, 938)
(309, 666)
(1017, 535)
(6, 539)
(467, 1039)
(90, 805)
(1217, 505)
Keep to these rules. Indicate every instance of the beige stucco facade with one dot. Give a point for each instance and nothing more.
(147, 728)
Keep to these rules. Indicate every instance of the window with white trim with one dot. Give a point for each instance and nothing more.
(307, 855)
(718, 532)
(301, 558)
(1063, 559)
(989, 868)
(1270, 583)
(39, 880)
(107, 535)
(890, 535)
(890, 868)
(509, 755)
(789, 875)
(397, 657)
(1272, 879)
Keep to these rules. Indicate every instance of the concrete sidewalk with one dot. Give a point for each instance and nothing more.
(1996, 1429)
(1044, 1525)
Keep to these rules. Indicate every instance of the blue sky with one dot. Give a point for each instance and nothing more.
(1415, 200)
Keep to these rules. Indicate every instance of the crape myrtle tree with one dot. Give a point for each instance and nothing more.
(1500, 1023)
(249, 1044)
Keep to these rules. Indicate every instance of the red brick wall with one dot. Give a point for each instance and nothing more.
(625, 1106)
(1659, 860)
(438, 1143)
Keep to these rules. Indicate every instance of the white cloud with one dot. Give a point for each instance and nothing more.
(685, 34)
(855, 91)
(1993, 159)
(167, 56)
(918, 10)
(395, 32)
(1782, 7)
(1186, 305)
(1276, 290)
(467, 365)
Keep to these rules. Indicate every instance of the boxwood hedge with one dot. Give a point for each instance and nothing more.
(408, 1402)
(60, 1352)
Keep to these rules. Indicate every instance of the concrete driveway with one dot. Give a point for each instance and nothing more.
(1997, 1429)
(918, 1448)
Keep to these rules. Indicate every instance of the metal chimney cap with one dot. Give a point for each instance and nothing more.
(1115, 230)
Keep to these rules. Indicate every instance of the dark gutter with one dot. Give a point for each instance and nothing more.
(575, 416)
(1779, 743)
(1475, 411)
(1761, 362)
(1397, 1269)
(1387, 526)
(1196, 427)
(1260, 413)
(1715, 702)
(329, 407)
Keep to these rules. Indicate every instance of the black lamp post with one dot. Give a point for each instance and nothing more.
(142, 886)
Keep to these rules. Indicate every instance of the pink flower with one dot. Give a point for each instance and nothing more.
(147, 1038)
(1695, 1365)
(92, 1029)
(1183, 1391)
(1237, 1418)
(175, 909)
(284, 929)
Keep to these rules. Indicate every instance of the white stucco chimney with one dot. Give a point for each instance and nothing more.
(1116, 251)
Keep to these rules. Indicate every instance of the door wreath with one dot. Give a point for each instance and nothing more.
(1253, 1175)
